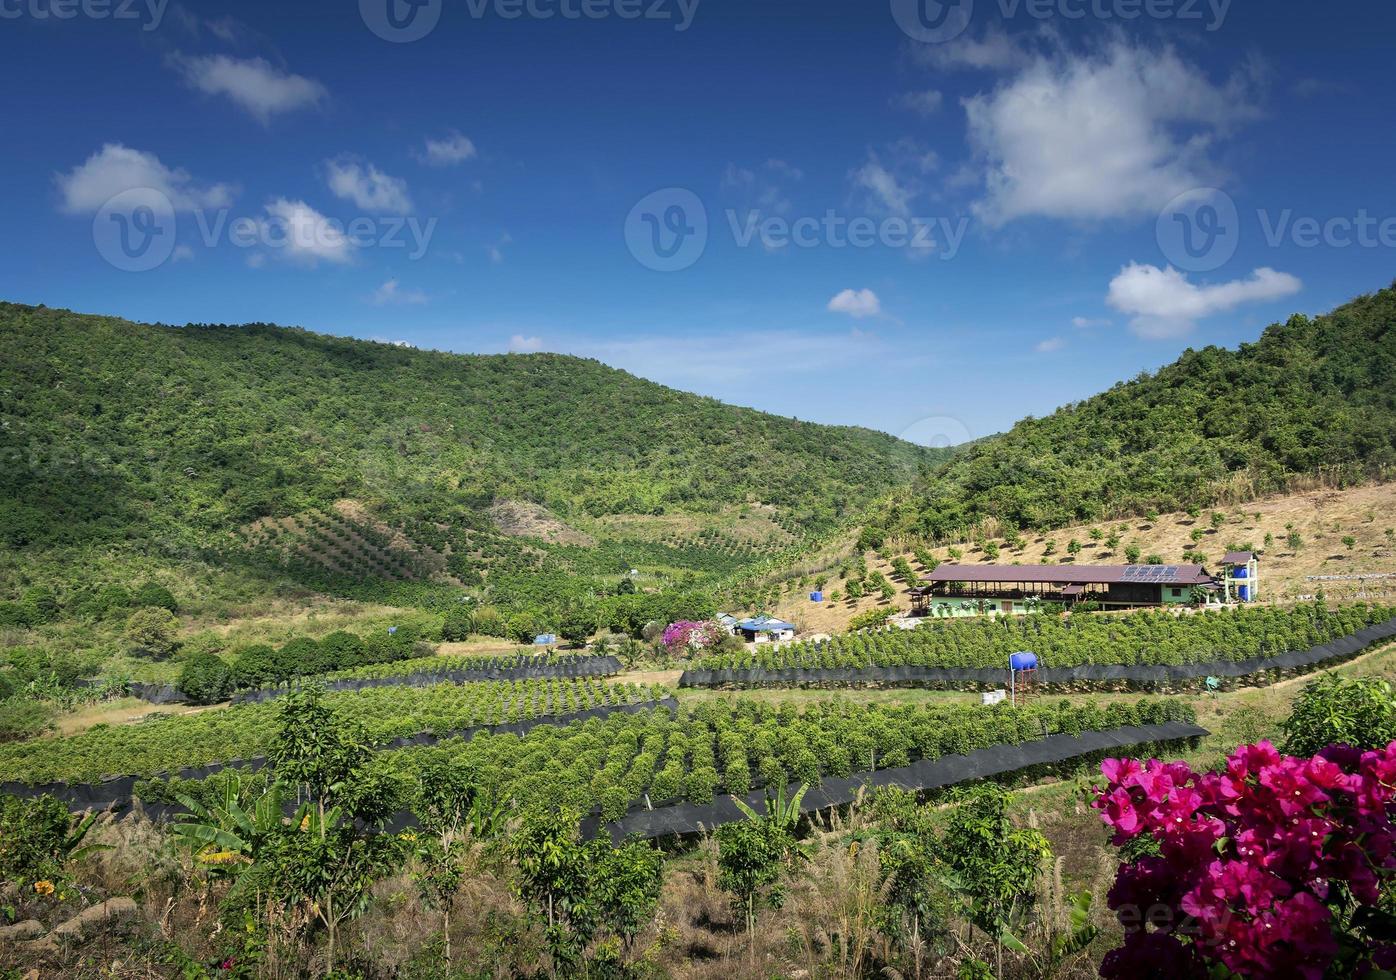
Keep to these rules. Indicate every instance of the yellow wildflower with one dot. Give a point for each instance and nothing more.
(43, 887)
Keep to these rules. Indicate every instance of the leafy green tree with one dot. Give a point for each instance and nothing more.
(205, 679)
(459, 624)
(994, 865)
(523, 627)
(153, 629)
(1349, 542)
(452, 813)
(1132, 553)
(328, 855)
(339, 651)
(577, 626)
(1073, 547)
(254, 666)
(299, 656)
(753, 855)
(579, 889)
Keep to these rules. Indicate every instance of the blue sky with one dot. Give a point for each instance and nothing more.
(1020, 178)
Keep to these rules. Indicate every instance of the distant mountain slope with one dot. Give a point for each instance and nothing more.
(119, 432)
(1312, 395)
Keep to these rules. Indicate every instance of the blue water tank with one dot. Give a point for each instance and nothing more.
(1241, 573)
(1245, 593)
(816, 597)
(1023, 661)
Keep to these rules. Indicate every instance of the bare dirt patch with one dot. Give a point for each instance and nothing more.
(521, 519)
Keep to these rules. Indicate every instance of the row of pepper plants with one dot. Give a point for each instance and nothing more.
(1142, 638)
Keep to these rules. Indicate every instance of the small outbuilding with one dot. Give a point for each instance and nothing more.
(765, 629)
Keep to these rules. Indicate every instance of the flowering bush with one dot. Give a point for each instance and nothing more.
(685, 636)
(1273, 867)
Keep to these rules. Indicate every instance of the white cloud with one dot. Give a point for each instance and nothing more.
(391, 293)
(857, 303)
(300, 233)
(1165, 304)
(253, 83)
(762, 188)
(1114, 134)
(927, 103)
(448, 151)
(367, 186)
(116, 168)
(519, 344)
(182, 253)
(994, 51)
(496, 251)
(1049, 345)
(884, 187)
(1086, 323)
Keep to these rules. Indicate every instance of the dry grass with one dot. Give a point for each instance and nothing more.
(120, 711)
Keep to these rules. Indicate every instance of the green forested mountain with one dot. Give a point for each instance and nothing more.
(1311, 395)
(161, 438)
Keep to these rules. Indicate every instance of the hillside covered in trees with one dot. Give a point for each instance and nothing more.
(384, 473)
(122, 428)
(1314, 396)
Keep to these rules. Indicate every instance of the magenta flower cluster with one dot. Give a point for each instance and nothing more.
(1259, 867)
(689, 635)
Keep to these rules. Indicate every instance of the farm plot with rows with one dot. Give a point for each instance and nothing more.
(243, 732)
(1143, 638)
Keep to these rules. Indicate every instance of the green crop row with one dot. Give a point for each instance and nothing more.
(1152, 638)
(733, 745)
(171, 742)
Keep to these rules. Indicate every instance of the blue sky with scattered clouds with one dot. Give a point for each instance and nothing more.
(925, 218)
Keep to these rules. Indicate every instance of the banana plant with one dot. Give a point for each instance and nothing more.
(780, 812)
(227, 836)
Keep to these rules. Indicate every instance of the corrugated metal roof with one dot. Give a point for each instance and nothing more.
(1238, 557)
(764, 624)
(1074, 574)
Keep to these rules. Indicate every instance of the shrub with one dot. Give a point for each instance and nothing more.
(22, 718)
(155, 594)
(870, 619)
(41, 599)
(17, 614)
(205, 679)
(1360, 712)
(32, 838)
